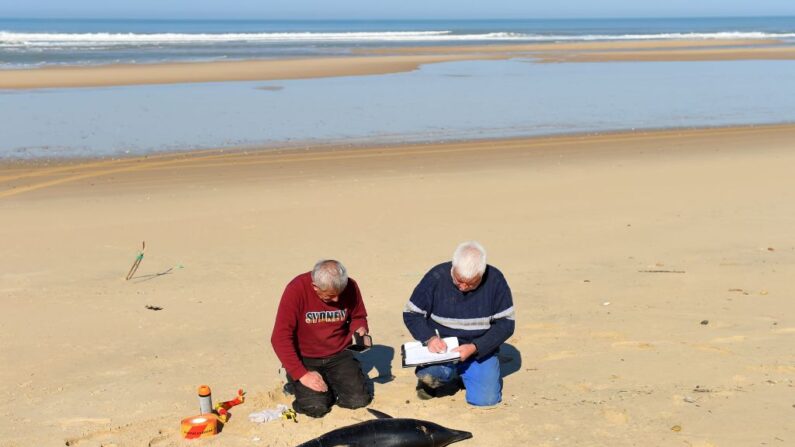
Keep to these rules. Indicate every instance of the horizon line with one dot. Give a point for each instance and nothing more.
(381, 19)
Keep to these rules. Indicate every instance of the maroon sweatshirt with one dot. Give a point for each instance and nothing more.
(308, 327)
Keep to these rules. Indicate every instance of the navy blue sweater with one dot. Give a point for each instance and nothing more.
(484, 316)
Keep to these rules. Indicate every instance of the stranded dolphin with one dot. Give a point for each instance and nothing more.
(389, 432)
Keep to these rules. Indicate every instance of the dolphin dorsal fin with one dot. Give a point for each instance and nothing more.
(378, 414)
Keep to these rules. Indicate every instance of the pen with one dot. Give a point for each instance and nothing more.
(440, 338)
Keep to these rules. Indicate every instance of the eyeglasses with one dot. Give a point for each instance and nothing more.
(465, 285)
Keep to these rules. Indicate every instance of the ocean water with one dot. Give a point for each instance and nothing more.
(448, 101)
(30, 43)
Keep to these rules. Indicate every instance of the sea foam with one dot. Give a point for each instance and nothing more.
(53, 40)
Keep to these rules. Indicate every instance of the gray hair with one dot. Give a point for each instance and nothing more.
(469, 260)
(329, 274)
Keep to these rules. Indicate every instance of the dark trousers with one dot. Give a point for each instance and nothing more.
(347, 385)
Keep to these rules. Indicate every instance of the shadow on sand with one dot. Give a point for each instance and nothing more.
(151, 276)
(510, 360)
(379, 357)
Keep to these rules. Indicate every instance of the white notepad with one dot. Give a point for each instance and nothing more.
(415, 354)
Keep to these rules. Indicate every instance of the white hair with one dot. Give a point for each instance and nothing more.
(329, 275)
(469, 260)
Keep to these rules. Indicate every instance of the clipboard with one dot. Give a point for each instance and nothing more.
(413, 353)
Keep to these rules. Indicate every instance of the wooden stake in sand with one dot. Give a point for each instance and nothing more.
(137, 262)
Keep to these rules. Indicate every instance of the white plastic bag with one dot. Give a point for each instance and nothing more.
(268, 415)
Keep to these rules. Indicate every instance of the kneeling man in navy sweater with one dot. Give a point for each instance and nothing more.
(470, 300)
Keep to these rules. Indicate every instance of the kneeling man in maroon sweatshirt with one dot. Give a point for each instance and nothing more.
(318, 314)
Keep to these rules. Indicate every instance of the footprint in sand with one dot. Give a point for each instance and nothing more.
(162, 440)
(103, 438)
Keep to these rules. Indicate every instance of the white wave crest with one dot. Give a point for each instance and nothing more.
(54, 39)
(51, 40)
(726, 35)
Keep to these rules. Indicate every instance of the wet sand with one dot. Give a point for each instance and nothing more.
(387, 61)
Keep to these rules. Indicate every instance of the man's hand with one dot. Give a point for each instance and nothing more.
(362, 331)
(437, 345)
(314, 381)
(466, 350)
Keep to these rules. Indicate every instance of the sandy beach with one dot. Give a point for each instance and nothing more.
(651, 273)
(394, 60)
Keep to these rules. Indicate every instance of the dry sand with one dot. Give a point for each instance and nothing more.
(617, 248)
(388, 61)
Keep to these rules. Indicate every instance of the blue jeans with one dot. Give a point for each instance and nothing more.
(481, 378)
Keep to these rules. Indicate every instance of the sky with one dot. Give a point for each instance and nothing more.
(390, 9)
